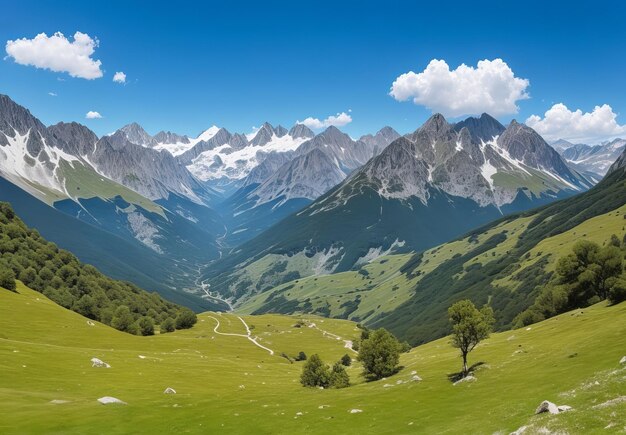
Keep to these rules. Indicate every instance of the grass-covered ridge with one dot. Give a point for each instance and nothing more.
(59, 275)
(505, 264)
(227, 384)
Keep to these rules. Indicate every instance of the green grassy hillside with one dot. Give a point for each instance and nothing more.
(228, 384)
(505, 264)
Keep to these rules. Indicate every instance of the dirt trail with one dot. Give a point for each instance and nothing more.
(347, 343)
(248, 335)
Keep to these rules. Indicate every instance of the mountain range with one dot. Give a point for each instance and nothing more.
(423, 189)
(247, 212)
(593, 160)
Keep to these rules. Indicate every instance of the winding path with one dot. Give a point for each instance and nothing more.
(248, 335)
(347, 343)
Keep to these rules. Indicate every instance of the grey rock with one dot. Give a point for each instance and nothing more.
(547, 406)
(169, 137)
(134, 133)
(301, 130)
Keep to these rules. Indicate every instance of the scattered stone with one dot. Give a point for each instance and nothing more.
(142, 357)
(355, 411)
(520, 431)
(107, 400)
(59, 402)
(299, 413)
(564, 408)
(528, 329)
(96, 362)
(512, 337)
(623, 360)
(547, 406)
(413, 372)
(90, 323)
(387, 385)
(469, 378)
(399, 381)
(416, 378)
(323, 406)
(169, 390)
(242, 387)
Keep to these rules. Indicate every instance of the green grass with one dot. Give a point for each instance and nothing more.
(84, 182)
(45, 352)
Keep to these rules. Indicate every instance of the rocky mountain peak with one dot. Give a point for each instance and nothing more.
(435, 125)
(169, 137)
(74, 138)
(135, 133)
(480, 129)
(301, 130)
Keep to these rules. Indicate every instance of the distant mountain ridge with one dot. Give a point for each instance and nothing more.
(421, 190)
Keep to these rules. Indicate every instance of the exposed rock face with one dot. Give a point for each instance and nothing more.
(134, 133)
(74, 138)
(272, 162)
(149, 172)
(301, 130)
(380, 140)
(169, 137)
(595, 159)
(306, 176)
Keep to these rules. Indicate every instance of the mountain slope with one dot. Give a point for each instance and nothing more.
(422, 190)
(572, 359)
(505, 264)
(283, 183)
(594, 159)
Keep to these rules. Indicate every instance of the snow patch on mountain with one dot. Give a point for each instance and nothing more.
(226, 162)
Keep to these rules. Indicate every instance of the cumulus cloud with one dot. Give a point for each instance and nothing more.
(489, 87)
(93, 115)
(561, 123)
(57, 53)
(119, 77)
(338, 120)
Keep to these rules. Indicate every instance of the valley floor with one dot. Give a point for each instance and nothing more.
(227, 384)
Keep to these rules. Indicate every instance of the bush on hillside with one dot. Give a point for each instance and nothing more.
(186, 319)
(380, 354)
(315, 373)
(168, 325)
(7, 278)
(146, 326)
(301, 356)
(346, 360)
(339, 377)
(589, 274)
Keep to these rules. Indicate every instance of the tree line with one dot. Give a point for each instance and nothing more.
(26, 256)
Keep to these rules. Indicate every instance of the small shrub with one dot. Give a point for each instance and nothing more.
(346, 360)
(168, 325)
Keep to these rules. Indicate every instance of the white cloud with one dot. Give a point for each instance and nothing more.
(490, 87)
(52, 94)
(338, 120)
(561, 123)
(58, 54)
(93, 115)
(119, 77)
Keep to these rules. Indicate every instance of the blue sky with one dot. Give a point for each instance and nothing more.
(236, 64)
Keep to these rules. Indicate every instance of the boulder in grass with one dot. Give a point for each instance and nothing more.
(416, 378)
(108, 400)
(547, 406)
(356, 411)
(564, 408)
(97, 362)
(169, 390)
(623, 360)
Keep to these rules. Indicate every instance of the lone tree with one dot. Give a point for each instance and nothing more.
(379, 353)
(315, 373)
(339, 378)
(469, 327)
(346, 360)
